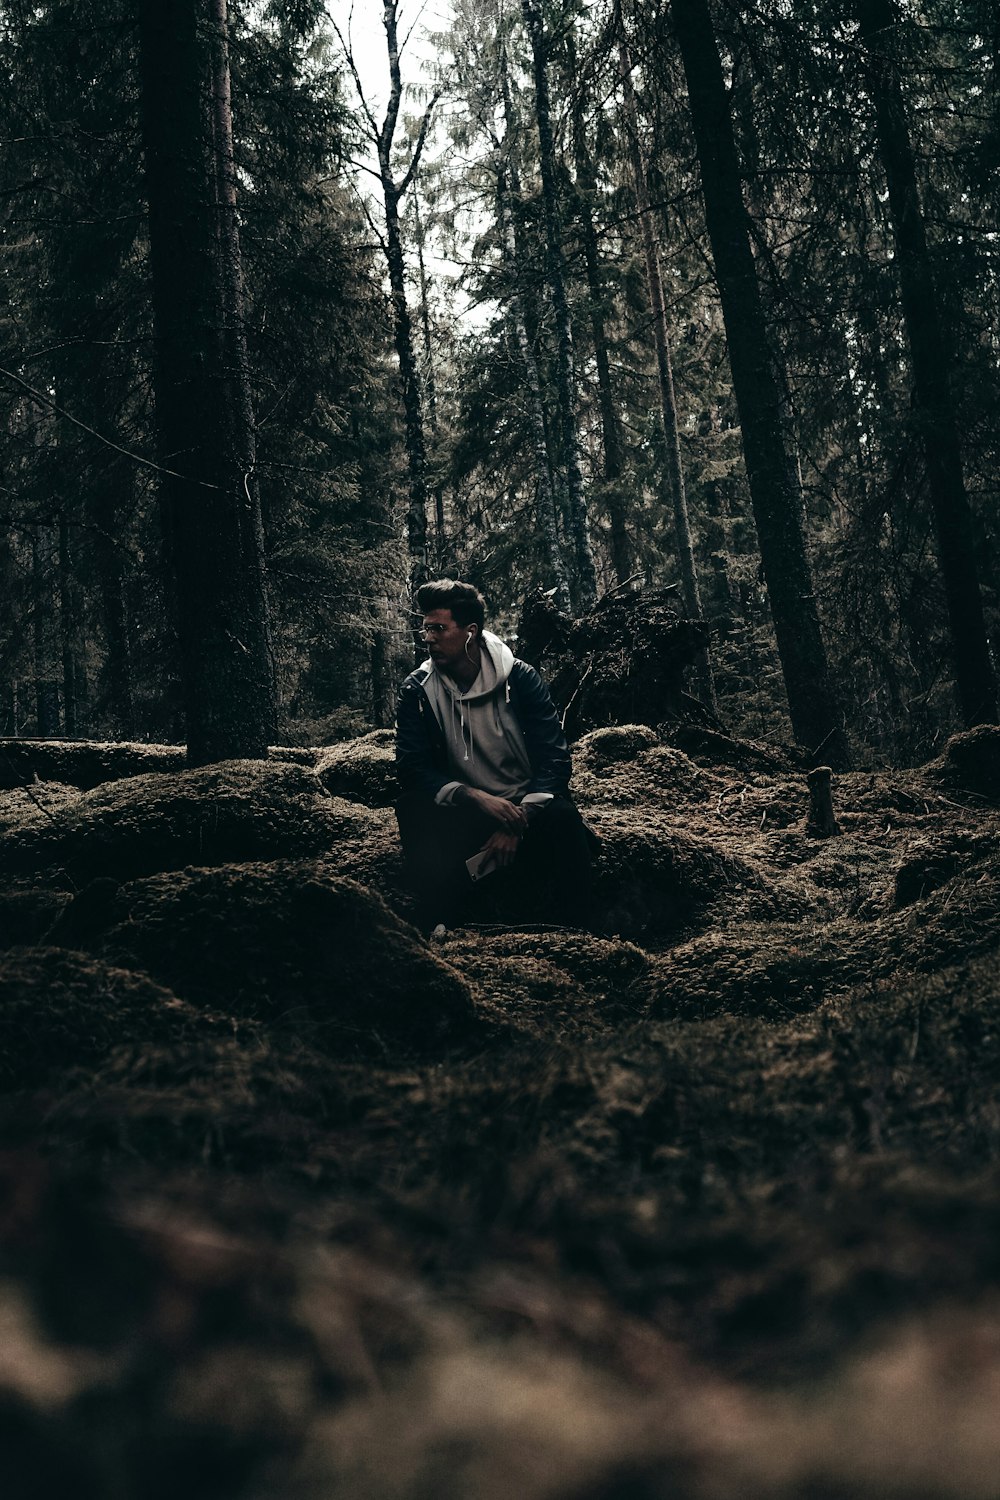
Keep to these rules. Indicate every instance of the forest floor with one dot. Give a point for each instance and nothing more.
(704, 1204)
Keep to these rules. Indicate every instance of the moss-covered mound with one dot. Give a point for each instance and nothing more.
(770, 970)
(369, 853)
(628, 765)
(88, 763)
(904, 1066)
(654, 878)
(61, 1010)
(83, 763)
(927, 863)
(236, 810)
(238, 1103)
(552, 983)
(956, 920)
(29, 914)
(616, 742)
(37, 802)
(184, 1355)
(285, 942)
(714, 748)
(970, 762)
(601, 1199)
(362, 770)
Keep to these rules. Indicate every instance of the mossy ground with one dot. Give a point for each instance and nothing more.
(703, 1203)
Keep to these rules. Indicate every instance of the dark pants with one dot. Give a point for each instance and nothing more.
(550, 879)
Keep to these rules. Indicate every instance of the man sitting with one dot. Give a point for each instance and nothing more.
(484, 768)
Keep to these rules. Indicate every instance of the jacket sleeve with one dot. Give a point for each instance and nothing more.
(543, 736)
(417, 764)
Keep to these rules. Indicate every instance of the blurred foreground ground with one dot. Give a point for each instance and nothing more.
(704, 1203)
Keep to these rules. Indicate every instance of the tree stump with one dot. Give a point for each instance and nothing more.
(821, 822)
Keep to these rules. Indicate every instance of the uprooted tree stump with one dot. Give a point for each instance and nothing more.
(623, 663)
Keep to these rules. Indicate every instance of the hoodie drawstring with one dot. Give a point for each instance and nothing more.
(468, 744)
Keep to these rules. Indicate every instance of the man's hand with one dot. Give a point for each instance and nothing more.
(507, 814)
(503, 847)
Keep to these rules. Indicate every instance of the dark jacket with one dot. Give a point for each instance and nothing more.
(421, 751)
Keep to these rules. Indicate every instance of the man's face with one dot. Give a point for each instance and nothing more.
(447, 640)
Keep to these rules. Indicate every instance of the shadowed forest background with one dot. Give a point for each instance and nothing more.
(564, 413)
(675, 328)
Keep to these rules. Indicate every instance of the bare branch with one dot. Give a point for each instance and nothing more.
(369, 220)
(416, 22)
(348, 52)
(137, 458)
(418, 148)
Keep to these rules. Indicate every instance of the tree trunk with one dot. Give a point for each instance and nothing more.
(416, 454)
(99, 380)
(106, 506)
(975, 677)
(377, 666)
(73, 675)
(674, 470)
(545, 500)
(775, 490)
(203, 409)
(46, 684)
(100, 390)
(413, 419)
(242, 438)
(613, 444)
(586, 576)
(430, 385)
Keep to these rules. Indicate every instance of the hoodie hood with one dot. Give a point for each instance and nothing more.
(495, 662)
(486, 748)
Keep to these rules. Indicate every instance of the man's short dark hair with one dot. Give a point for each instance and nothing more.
(467, 605)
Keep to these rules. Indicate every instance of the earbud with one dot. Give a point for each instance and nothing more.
(469, 636)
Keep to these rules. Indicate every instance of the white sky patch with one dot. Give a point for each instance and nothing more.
(360, 24)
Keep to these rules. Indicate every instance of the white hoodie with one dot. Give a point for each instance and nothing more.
(486, 748)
